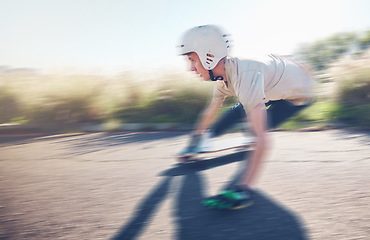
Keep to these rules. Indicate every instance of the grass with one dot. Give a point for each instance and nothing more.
(319, 114)
(67, 99)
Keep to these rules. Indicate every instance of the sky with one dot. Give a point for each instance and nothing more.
(110, 36)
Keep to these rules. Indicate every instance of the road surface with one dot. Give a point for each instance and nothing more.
(314, 185)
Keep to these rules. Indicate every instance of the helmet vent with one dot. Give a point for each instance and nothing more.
(210, 58)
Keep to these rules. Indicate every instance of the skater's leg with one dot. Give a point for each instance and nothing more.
(280, 111)
(227, 120)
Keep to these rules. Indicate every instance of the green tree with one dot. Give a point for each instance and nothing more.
(323, 52)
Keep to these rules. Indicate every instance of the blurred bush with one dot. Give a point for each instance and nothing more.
(129, 98)
(9, 105)
(67, 102)
(134, 97)
(321, 53)
(170, 98)
(48, 99)
(173, 98)
(352, 76)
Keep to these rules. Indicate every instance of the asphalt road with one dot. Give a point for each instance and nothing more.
(314, 185)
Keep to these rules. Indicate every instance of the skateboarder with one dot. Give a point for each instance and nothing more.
(269, 91)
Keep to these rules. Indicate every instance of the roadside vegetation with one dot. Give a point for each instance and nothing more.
(342, 90)
(342, 96)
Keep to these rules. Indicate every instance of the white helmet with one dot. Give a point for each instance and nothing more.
(209, 42)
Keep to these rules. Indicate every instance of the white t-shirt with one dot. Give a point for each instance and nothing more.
(272, 78)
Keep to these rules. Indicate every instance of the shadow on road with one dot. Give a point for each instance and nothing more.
(75, 144)
(266, 219)
(101, 141)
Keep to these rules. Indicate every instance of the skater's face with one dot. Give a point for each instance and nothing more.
(197, 67)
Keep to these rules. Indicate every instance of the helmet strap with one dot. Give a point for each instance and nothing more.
(213, 78)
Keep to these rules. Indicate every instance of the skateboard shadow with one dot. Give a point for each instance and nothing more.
(266, 219)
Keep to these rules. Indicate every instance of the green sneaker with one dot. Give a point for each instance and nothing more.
(236, 198)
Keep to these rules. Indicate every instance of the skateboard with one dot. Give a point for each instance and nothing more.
(217, 145)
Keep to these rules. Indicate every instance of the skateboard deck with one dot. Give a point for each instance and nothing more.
(219, 145)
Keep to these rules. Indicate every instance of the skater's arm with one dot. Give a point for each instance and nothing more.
(208, 116)
(258, 119)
